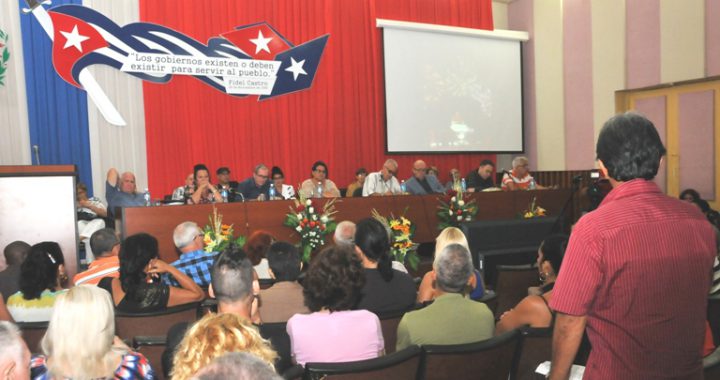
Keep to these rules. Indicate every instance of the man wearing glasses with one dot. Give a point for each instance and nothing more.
(255, 187)
(309, 188)
(519, 178)
(382, 182)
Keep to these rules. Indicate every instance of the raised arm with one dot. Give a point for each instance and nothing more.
(112, 177)
(188, 291)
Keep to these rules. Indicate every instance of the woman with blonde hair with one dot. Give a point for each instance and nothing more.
(213, 336)
(80, 342)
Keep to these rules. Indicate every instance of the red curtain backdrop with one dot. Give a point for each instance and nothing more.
(340, 120)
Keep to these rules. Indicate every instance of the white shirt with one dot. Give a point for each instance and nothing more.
(374, 183)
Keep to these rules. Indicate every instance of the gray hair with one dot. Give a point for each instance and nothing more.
(392, 162)
(103, 241)
(453, 268)
(345, 233)
(519, 160)
(185, 233)
(258, 167)
(237, 365)
(11, 343)
(232, 275)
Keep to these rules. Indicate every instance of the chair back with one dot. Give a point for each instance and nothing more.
(32, 333)
(130, 325)
(536, 348)
(389, 323)
(152, 348)
(512, 286)
(401, 365)
(493, 358)
(711, 365)
(277, 334)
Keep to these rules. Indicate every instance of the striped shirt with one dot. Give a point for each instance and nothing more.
(520, 183)
(639, 268)
(102, 267)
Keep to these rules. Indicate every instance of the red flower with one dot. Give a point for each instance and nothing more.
(301, 208)
(305, 220)
(312, 224)
(322, 227)
(459, 212)
(451, 193)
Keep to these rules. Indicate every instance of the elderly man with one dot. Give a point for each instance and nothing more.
(519, 178)
(421, 183)
(382, 182)
(107, 245)
(14, 354)
(193, 261)
(257, 186)
(481, 179)
(345, 233)
(121, 193)
(285, 298)
(451, 318)
(15, 254)
(638, 329)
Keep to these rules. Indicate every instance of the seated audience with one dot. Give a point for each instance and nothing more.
(237, 365)
(383, 182)
(345, 233)
(689, 195)
(14, 354)
(386, 289)
(360, 175)
(194, 262)
(454, 183)
(122, 194)
(90, 214)
(281, 189)
(106, 243)
(183, 193)
(41, 276)
(139, 288)
(256, 247)
(80, 342)
(334, 332)
(450, 235)
(205, 191)
(224, 183)
(257, 186)
(421, 183)
(533, 310)
(320, 174)
(481, 178)
(452, 318)
(519, 178)
(285, 297)
(15, 253)
(213, 336)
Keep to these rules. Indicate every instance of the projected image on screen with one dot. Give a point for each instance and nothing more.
(449, 93)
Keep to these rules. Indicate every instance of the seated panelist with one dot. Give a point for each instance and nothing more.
(310, 188)
(255, 187)
(205, 191)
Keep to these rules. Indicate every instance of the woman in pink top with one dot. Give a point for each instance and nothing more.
(334, 332)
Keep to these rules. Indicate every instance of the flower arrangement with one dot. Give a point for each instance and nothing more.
(313, 222)
(534, 211)
(401, 233)
(454, 208)
(217, 236)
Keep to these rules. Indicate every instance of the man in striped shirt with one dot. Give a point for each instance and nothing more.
(636, 272)
(107, 244)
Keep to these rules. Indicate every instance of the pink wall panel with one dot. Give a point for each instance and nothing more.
(697, 150)
(520, 17)
(643, 43)
(712, 37)
(654, 109)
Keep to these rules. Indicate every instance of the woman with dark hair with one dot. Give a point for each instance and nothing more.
(139, 288)
(386, 289)
(278, 178)
(40, 283)
(205, 191)
(534, 310)
(690, 195)
(319, 185)
(333, 332)
(256, 247)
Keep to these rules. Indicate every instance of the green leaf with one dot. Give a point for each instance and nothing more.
(2, 70)
(413, 260)
(307, 250)
(6, 55)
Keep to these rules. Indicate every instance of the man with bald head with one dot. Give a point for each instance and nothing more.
(422, 183)
(121, 191)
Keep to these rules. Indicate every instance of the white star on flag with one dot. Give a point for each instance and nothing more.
(296, 68)
(74, 39)
(261, 43)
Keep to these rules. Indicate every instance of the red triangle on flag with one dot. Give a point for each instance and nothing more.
(258, 41)
(73, 39)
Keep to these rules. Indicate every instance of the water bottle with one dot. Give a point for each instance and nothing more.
(146, 196)
(318, 193)
(463, 185)
(532, 184)
(224, 195)
(271, 192)
(403, 187)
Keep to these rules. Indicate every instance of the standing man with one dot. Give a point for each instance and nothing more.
(223, 175)
(383, 182)
(481, 179)
(257, 186)
(421, 183)
(636, 272)
(121, 193)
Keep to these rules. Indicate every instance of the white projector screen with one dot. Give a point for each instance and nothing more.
(451, 92)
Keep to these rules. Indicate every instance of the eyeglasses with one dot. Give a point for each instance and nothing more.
(321, 171)
(392, 172)
(278, 177)
(261, 176)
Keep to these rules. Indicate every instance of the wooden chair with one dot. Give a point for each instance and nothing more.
(536, 348)
(711, 365)
(32, 333)
(130, 325)
(389, 323)
(401, 365)
(513, 282)
(493, 358)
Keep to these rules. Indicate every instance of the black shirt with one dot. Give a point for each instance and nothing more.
(382, 297)
(474, 181)
(250, 190)
(233, 188)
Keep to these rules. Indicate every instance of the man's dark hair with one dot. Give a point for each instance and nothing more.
(223, 170)
(334, 280)
(323, 164)
(360, 171)
(232, 275)
(16, 252)
(486, 162)
(284, 260)
(38, 272)
(276, 171)
(102, 241)
(629, 146)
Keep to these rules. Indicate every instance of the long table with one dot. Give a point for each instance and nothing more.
(247, 217)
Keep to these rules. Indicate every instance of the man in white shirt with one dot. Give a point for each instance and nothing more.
(383, 182)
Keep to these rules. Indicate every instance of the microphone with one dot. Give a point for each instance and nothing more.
(36, 150)
(241, 195)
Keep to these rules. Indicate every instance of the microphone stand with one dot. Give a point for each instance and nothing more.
(575, 187)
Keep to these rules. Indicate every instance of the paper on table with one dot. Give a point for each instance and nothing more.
(576, 372)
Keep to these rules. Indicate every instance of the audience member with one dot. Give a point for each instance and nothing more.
(454, 183)
(334, 332)
(285, 297)
(386, 289)
(224, 183)
(356, 185)
(383, 182)
(451, 318)
(256, 247)
(139, 288)
(183, 193)
(689, 195)
(421, 183)
(90, 214)
(533, 310)
(80, 342)
(711, 215)
(194, 262)
(519, 178)
(481, 178)
(283, 190)
(40, 284)
(257, 186)
(345, 233)
(237, 365)
(122, 194)
(15, 253)
(14, 354)
(213, 336)
(106, 243)
(638, 330)
(205, 191)
(320, 174)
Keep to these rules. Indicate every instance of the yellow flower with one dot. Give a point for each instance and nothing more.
(405, 221)
(207, 239)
